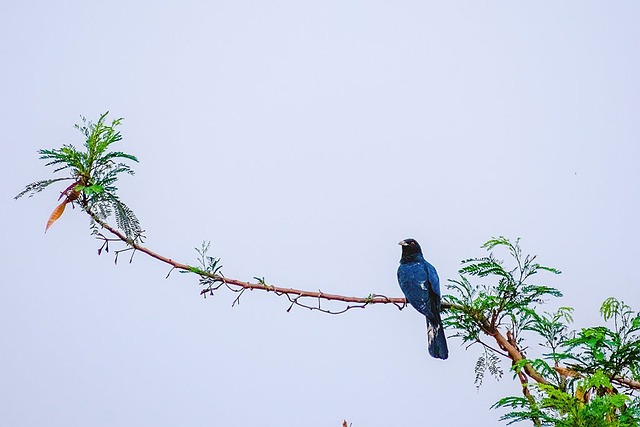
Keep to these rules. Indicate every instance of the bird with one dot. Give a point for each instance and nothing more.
(420, 284)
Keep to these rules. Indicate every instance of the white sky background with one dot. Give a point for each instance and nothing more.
(304, 140)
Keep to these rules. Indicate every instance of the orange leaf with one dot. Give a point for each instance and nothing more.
(57, 213)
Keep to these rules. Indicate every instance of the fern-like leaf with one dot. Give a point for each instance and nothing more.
(126, 220)
(38, 186)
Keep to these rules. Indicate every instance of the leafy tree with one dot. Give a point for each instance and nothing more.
(583, 378)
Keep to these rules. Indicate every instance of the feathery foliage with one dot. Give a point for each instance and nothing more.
(38, 186)
(501, 297)
(94, 172)
(583, 378)
(613, 351)
(590, 401)
(488, 361)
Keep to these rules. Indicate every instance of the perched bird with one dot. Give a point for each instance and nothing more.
(420, 284)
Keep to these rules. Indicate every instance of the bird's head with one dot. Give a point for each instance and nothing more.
(410, 248)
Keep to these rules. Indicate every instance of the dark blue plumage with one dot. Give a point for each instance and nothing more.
(420, 284)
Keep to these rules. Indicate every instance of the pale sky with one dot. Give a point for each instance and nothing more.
(304, 140)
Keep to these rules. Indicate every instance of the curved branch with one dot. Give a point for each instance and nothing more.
(503, 342)
(376, 299)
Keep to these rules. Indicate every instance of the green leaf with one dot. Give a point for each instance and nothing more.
(92, 189)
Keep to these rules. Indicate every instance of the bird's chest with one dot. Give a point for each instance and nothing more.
(412, 278)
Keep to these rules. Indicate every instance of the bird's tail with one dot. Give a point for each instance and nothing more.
(437, 340)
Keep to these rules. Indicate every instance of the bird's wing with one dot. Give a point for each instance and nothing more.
(432, 277)
(434, 290)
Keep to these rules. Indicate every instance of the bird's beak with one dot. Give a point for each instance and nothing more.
(402, 243)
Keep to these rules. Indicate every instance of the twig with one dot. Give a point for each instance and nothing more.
(501, 353)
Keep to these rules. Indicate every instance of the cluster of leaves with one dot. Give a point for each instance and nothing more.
(597, 385)
(504, 299)
(94, 172)
(209, 270)
(588, 401)
(615, 352)
(487, 362)
(583, 378)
